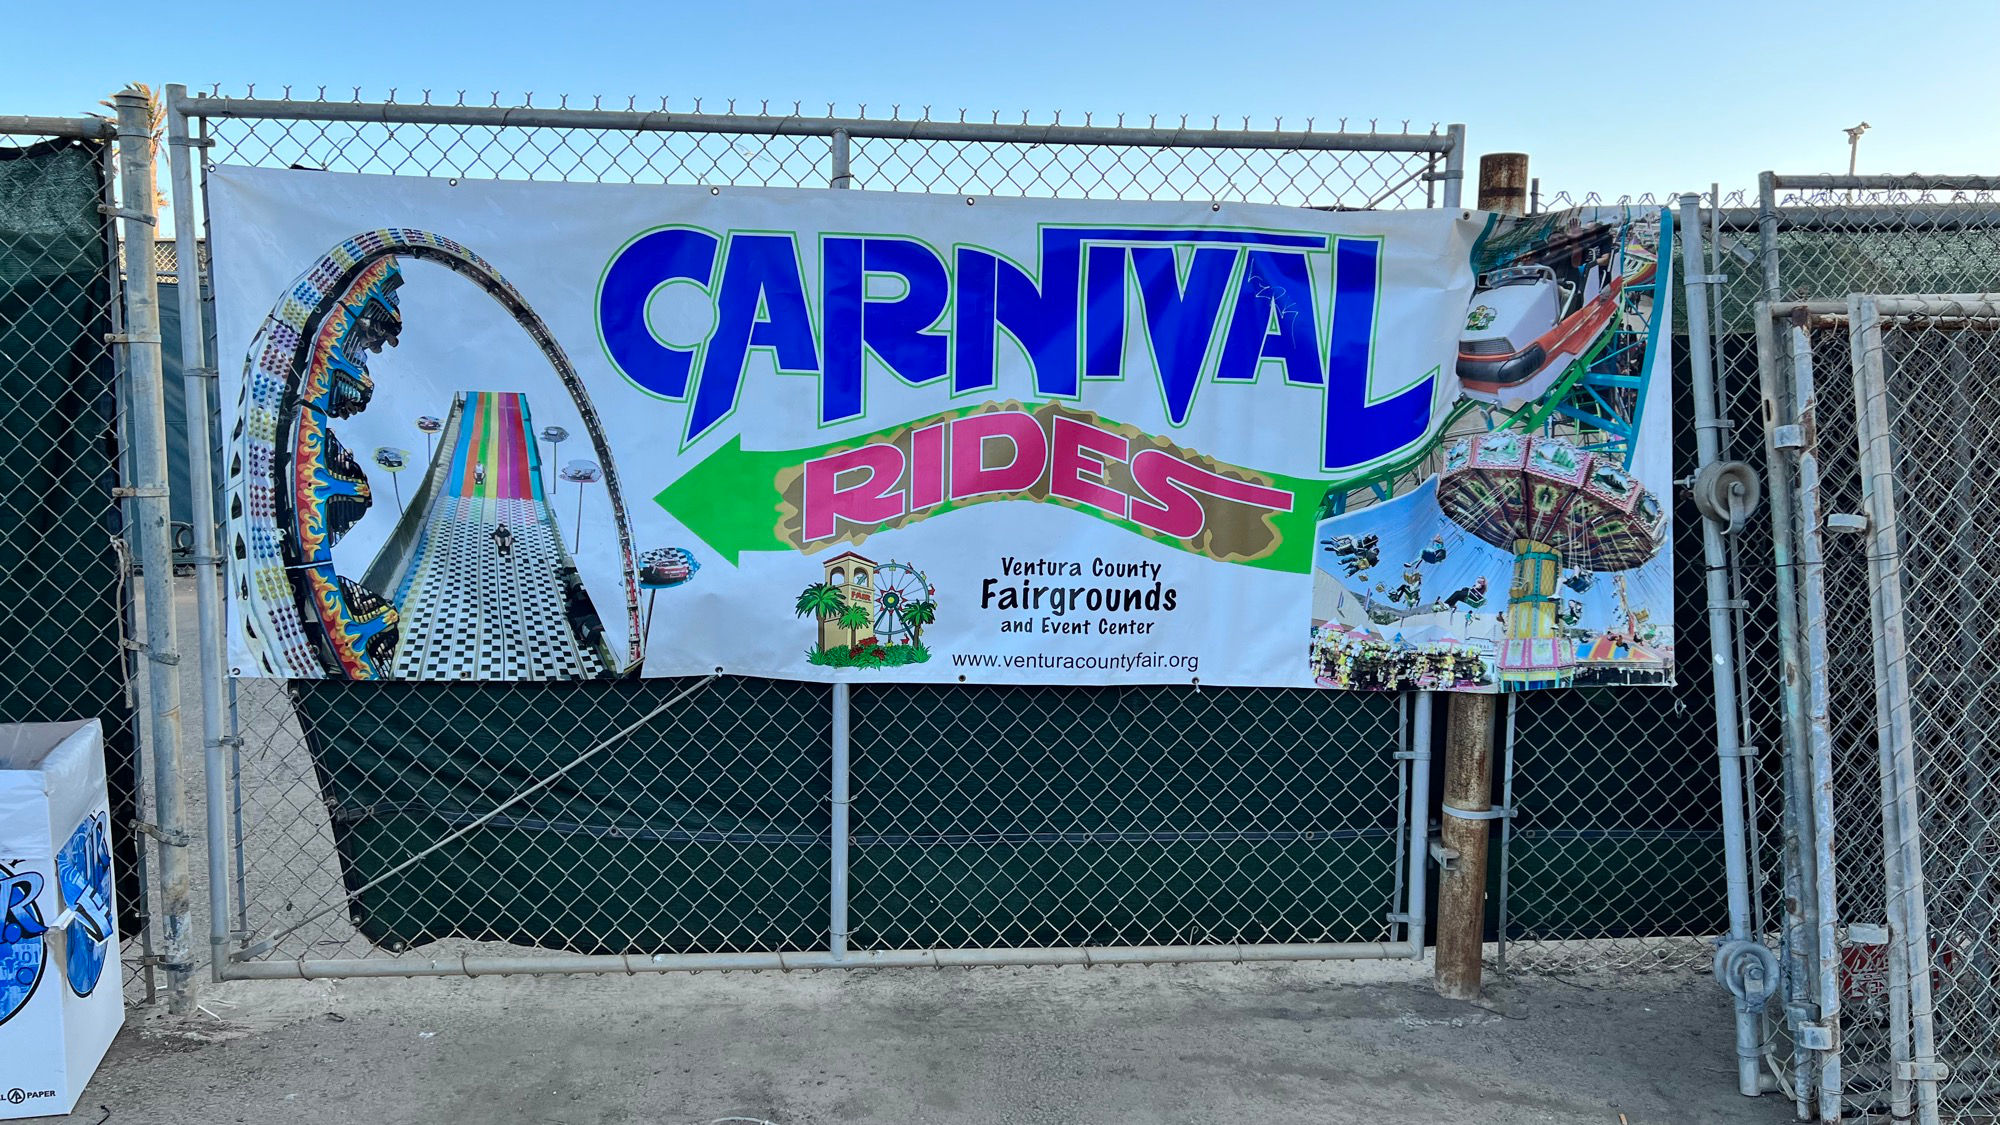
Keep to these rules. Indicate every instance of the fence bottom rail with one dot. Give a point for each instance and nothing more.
(469, 966)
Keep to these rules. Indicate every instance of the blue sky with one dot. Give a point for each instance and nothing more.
(1604, 97)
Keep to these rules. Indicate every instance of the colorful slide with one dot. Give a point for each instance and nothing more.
(480, 577)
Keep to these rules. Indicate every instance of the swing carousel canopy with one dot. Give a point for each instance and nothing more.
(1506, 487)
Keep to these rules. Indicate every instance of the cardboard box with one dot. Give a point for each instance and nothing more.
(61, 987)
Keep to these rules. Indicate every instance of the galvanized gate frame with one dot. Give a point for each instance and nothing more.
(232, 953)
(1813, 935)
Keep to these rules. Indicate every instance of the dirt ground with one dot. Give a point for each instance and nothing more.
(1328, 1044)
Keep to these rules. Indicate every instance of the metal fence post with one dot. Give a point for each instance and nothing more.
(149, 492)
(838, 797)
(1808, 837)
(1454, 167)
(199, 377)
(1748, 981)
(1420, 818)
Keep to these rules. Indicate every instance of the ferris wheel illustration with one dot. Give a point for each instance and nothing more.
(898, 587)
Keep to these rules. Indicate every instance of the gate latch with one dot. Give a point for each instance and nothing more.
(1926, 1071)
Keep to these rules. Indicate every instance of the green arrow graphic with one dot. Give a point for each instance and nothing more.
(731, 499)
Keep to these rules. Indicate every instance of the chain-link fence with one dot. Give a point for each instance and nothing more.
(67, 607)
(412, 827)
(1612, 857)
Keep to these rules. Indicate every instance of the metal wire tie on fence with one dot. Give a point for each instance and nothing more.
(173, 838)
(131, 645)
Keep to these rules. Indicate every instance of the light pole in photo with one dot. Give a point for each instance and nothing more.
(395, 461)
(555, 436)
(580, 473)
(663, 568)
(429, 426)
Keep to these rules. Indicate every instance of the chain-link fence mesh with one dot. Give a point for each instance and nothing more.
(1019, 816)
(1613, 857)
(1932, 403)
(64, 612)
(363, 816)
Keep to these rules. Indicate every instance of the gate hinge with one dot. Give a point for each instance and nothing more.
(1741, 751)
(1849, 523)
(1400, 917)
(1788, 437)
(192, 142)
(1926, 1071)
(159, 961)
(1499, 813)
(136, 493)
(1814, 1036)
(1867, 933)
(1447, 858)
(199, 372)
(131, 338)
(173, 839)
(1708, 279)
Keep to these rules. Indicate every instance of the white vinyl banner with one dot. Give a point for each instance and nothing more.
(526, 431)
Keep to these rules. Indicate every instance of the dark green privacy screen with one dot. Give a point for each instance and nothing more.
(704, 831)
(59, 572)
(980, 816)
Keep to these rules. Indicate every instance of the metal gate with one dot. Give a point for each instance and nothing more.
(1880, 423)
(816, 827)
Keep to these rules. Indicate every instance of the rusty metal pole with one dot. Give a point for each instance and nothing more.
(1503, 183)
(1467, 824)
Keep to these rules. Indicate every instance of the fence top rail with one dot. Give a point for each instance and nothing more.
(78, 128)
(1911, 181)
(1438, 141)
(1968, 306)
(1863, 216)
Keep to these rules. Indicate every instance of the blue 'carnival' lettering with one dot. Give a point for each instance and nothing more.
(1210, 303)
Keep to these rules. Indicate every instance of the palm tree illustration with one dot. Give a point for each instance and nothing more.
(854, 619)
(917, 615)
(821, 601)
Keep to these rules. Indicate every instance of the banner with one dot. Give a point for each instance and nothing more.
(517, 431)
